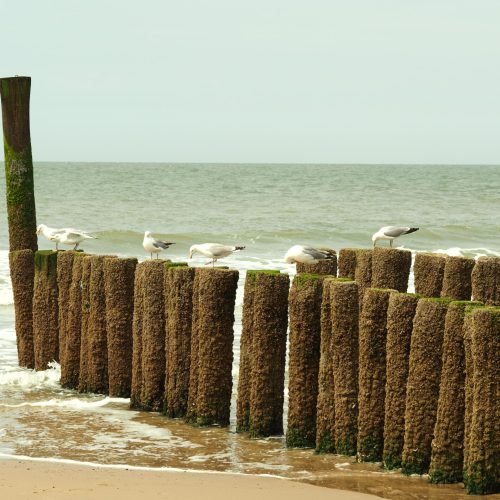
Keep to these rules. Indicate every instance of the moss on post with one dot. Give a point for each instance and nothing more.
(216, 298)
(400, 313)
(270, 319)
(119, 292)
(70, 360)
(245, 370)
(305, 335)
(179, 282)
(447, 446)
(457, 279)
(372, 374)
(423, 383)
(486, 280)
(344, 310)
(45, 309)
(153, 335)
(347, 262)
(22, 274)
(391, 268)
(428, 269)
(137, 333)
(481, 468)
(15, 97)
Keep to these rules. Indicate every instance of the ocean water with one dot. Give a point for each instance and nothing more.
(266, 208)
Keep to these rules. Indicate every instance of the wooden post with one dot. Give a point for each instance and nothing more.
(15, 96)
(270, 319)
(45, 309)
(457, 279)
(400, 314)
(486, 280)
(325, 266)
(179, 281)
(344, 311)
(137, 333)
(119, 290)
(424, 376)
(372, 374)
(22, 274)
(391, 268)
(428, 269)
(305, 301)
(347, 262)
(447, 446)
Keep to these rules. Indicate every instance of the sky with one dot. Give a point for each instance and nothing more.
(264, 81)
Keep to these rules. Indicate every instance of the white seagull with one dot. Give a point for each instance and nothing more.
(152, 245)
(391, 232)
(214, 251)
(308, 255)
(66, 235)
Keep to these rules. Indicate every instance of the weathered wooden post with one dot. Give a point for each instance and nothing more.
(305, 301)
(215, 316)
(325, 406)
(15, 97)
(137, 333)
(447, 446)
(457, 279)
(179, 281)
(325, 266)
(428, 269)
(119, 291)
(422, 390)
(481, 467)
(83, 376)
(347, 262)
(45, 309)
(270, 319)
(391, 268)
(245, 370)
(153, 335)
(344, 311)
(70, 360)
(372, 374)
(400, 314)
(486, 280)
(22, 274)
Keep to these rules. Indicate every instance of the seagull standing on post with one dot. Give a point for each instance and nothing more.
(214, 251)
(391, 232)
(308, 255)
(152, 245)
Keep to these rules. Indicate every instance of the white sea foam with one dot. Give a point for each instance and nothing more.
(30, 379)
(73, 404)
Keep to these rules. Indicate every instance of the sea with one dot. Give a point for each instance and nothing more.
(267, 208)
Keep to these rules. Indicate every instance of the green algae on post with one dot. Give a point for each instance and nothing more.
(305, 332)
(400, 313)
(45, 309)
(22, 274)
(15, 97)
(119, 291)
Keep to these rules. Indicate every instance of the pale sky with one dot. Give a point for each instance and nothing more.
(311, 81)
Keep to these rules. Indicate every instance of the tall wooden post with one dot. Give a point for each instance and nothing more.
(15, 95)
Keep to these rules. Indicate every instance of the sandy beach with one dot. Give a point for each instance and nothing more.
(21, 480)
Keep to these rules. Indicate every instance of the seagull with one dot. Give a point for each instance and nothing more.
(214, 251)
(308, 255)
(391, 232)
(152, 245)
(49, 232)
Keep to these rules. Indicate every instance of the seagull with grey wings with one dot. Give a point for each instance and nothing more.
(307, 255)
(214, 251)
(66, 235)
(152, 245)
(391, 232)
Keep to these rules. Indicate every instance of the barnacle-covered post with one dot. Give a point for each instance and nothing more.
(428, 270)
(391, 268)
(457, 278)
(486, 281)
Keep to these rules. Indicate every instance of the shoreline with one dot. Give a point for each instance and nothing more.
(21, 478)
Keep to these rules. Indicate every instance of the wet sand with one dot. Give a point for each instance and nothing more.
(48, 480)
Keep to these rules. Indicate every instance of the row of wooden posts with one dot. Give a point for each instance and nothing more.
(407, 379)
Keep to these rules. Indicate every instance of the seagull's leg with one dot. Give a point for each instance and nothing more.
(151, 253)
(76, 246)
(390, 243)
(208, 262)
